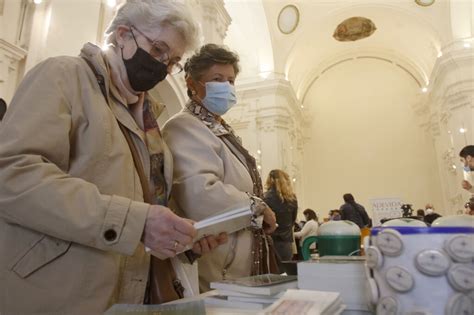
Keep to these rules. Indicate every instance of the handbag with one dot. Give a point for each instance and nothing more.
(163, 284)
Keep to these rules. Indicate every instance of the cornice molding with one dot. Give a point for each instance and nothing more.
(14, 51)
(258, 87)
(455, 61)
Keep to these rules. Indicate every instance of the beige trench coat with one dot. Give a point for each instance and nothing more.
(209, 178)
(71, 203)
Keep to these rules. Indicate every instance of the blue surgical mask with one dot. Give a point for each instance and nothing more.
(220, 97)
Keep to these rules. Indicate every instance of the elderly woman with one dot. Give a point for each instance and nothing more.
(86, 176)
(212, 170)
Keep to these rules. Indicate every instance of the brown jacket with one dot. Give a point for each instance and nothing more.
(71, 203)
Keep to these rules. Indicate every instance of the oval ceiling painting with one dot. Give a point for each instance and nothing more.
(354, 28)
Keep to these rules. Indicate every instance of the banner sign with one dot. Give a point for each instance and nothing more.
(385, 208)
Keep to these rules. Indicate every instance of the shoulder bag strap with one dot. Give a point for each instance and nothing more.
(164, 286)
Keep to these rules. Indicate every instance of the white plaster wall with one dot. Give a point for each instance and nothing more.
(365, 139)
(249, 36)
(61, 27)
(462, 18)
(11, 54)
(9, 20)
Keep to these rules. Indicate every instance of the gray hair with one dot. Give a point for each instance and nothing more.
(151, 14)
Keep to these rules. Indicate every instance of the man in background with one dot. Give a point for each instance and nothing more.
(430, 214)
(354, 212)
(467, 159)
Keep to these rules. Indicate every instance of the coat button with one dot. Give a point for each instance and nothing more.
(110, 235)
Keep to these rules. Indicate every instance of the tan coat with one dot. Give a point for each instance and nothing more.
(208, 178)
(71, 203)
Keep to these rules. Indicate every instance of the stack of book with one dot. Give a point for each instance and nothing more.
(256, 292)
(304, 302)
(342, 274)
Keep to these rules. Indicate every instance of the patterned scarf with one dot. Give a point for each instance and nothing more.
(153, 141)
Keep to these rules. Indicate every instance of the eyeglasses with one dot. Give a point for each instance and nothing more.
(160, 51)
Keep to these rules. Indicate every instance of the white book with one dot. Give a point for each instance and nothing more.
(220, 300)
(305, 302)
(267, 284)
(254, 299)
(230, 220)
(241, 294)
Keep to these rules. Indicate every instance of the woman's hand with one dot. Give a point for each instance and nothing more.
(269, 221)
(166, 233)
(466, 185)
(208, 243)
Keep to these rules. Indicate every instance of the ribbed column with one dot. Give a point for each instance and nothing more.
(270, 121)
(449, 114)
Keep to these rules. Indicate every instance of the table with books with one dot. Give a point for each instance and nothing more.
(264, 294)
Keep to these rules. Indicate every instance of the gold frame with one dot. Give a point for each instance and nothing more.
(424, 5)
(295, 8)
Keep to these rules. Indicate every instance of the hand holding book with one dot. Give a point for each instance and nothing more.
(213, 230)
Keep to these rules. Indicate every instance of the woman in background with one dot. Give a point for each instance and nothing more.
(281, 199)
(309, 229)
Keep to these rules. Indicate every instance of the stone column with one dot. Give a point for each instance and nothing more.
(449, 116)
(270, 121)
(213, 18)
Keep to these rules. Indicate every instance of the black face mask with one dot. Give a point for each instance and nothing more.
(144, 71)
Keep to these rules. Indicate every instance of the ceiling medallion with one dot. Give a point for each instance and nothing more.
(353, 29)
(288, 19)
(424, 3)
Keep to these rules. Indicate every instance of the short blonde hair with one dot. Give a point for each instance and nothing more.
(150, 14)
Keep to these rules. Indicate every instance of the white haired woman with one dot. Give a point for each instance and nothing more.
(86, 176)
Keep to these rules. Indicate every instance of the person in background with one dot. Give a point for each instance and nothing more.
(309, 229)
(334, 215)
(77, 204)
(354, 212)
(214, 172)
(467, 160)
(469, 207)
(3, 108)
(282, 200)
(420, 213)
(430, 214)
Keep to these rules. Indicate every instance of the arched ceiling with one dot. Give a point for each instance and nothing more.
(408, 35)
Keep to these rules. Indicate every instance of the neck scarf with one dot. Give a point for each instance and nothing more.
(154, 143)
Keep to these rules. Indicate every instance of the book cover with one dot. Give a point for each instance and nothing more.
(267, 284)
(304, 302)
(222, 301)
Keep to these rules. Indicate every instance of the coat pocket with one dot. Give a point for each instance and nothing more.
(41, 253)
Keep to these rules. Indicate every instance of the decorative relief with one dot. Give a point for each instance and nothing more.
(215, 17)
(456, 200)
(2, 5)
(449, 159)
